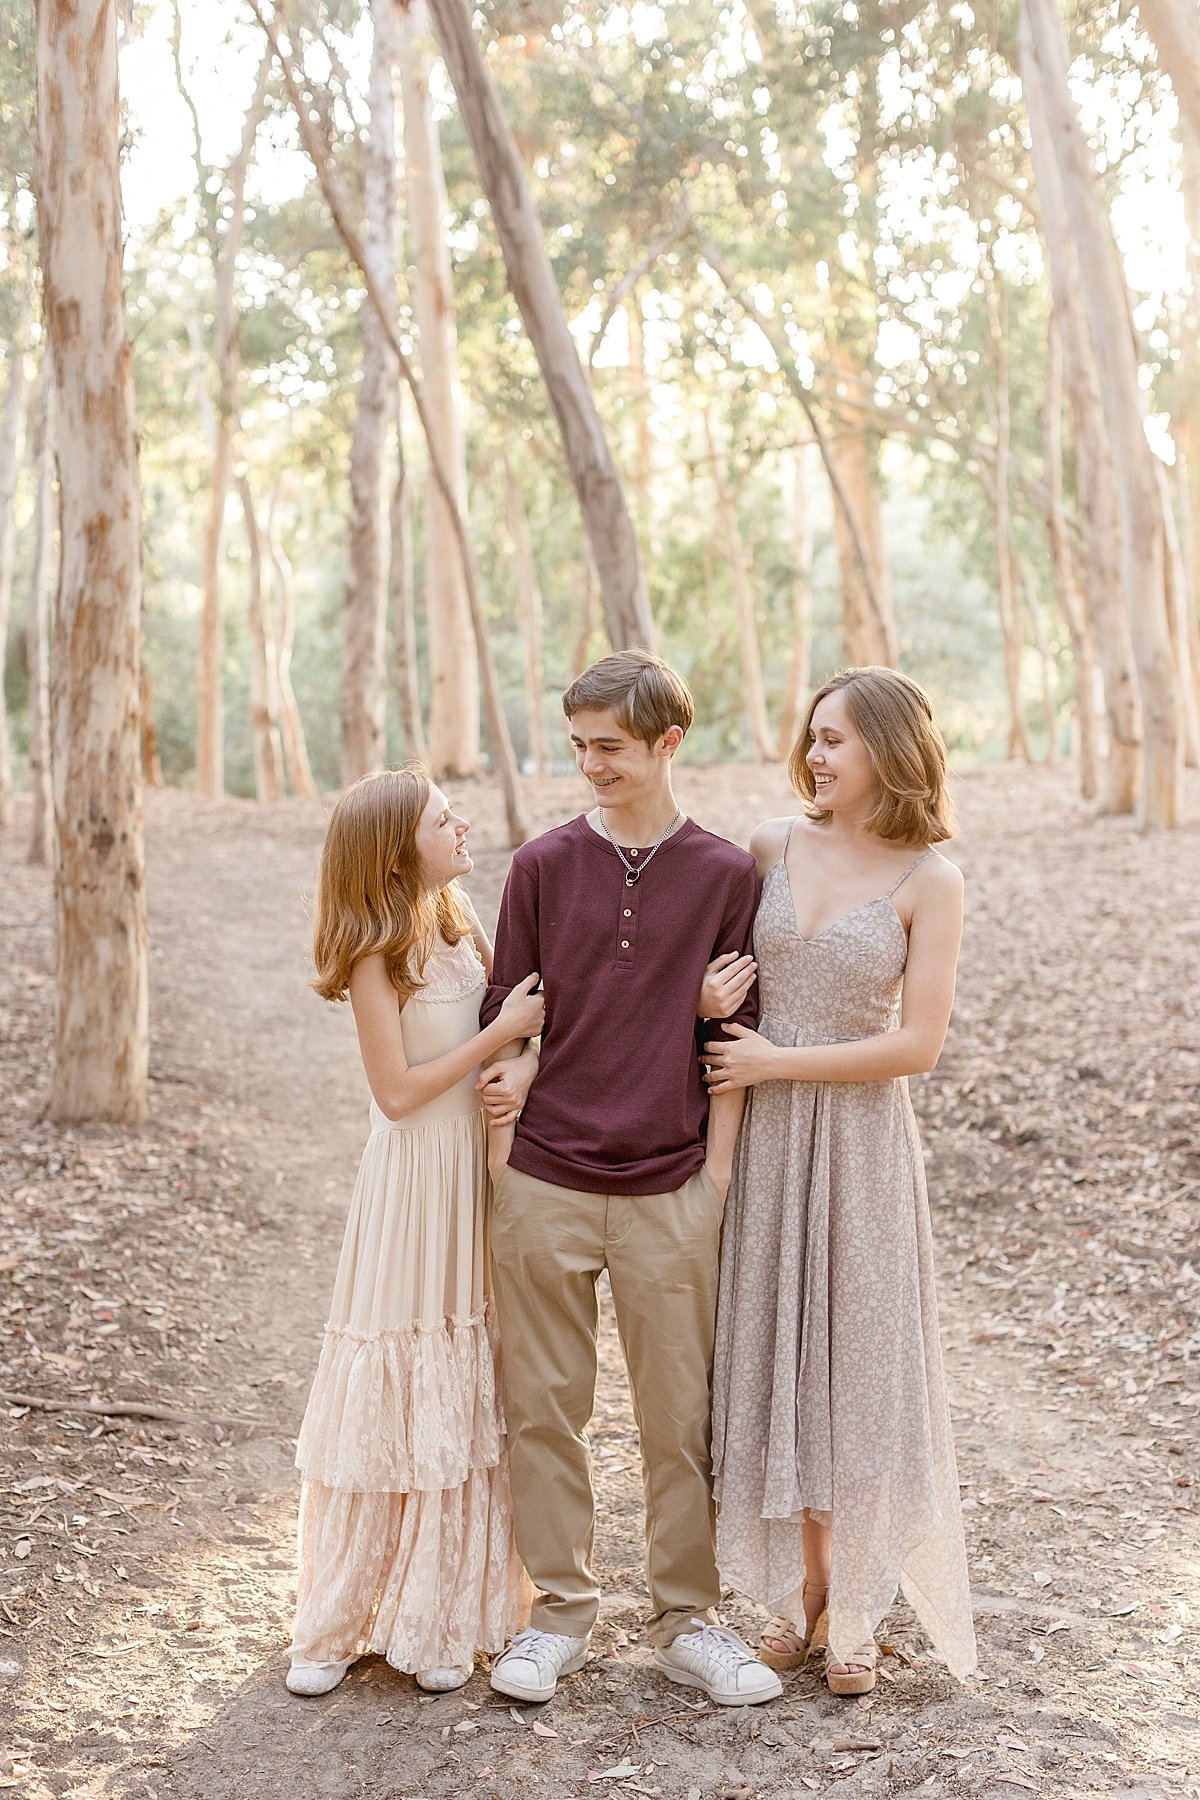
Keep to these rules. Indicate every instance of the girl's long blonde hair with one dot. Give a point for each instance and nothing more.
(893, 717)
(371, 893)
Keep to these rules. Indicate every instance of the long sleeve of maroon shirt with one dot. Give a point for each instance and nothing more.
(618, 1105)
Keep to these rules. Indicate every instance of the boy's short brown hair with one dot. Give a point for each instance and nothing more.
(644, 692)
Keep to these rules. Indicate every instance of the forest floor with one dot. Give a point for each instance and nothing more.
(146, 1566)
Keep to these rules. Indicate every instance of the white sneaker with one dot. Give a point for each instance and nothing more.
(529, 1669)
(716, 1660)
(313, 1678)
(444, 1680)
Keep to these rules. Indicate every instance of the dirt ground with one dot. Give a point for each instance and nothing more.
(146, 1565)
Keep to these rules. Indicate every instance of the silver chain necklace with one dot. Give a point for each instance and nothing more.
(632, 875)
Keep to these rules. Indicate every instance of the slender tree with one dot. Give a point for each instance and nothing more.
(753, 695)
(1044, 59)
(531, 278)
(12, 447)
(801, 624)
(101, 1037)
(364, 616)
(530, 612)
(453, 664)
(37, 628)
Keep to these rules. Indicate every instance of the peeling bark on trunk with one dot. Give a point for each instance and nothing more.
(1102, 584)
(364, 616)
(37, 631)
(802, 555)
(1066, 581)
(453, 663)
(101, 1035)
(753, 696)
(403, 591)
(868, 618)
(12, 446)
(264, 679)
(1106, 304)
(529, 602)
(531, 279)
(291, 728)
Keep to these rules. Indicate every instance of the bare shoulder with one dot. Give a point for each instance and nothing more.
(936, 883)
(767, 841)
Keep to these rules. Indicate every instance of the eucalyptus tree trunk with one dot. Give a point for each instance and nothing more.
(12, 446)
(403, 591)
(37, 629)
(1011, 636)
(1025, 590)
(291, 726)
(101, 1036)
(529, 603)
(364, 616)
(1066, 579)
(264, 680)
(799, 664)
(753, 696)
(224, 247)
(589, 614)
(1102, 577)
(644, 454)
(1174, 26)
(1139, 506)
(453, 662)
(152, 772)
(531, 279)
(868, 614)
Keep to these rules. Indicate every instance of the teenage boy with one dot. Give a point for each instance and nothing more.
(619, 1162)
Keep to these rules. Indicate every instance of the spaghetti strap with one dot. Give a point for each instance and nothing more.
(787, 840)
(901, 879)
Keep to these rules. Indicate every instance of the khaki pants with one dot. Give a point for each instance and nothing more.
(549, 1245)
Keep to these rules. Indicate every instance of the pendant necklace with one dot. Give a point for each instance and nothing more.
(633, 874)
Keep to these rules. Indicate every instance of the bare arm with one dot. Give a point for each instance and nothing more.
(934, 935)
(400, 1087)
(724, 1118)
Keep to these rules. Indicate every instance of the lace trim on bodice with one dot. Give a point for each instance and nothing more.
(451, 974)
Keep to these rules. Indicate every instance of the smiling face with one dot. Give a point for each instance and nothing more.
(840, 762)
(622, 770)
(442, 842)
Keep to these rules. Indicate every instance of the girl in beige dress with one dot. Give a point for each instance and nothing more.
(832, 1450)
(405, 1545)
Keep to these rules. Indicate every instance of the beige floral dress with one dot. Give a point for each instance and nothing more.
(828, 1385)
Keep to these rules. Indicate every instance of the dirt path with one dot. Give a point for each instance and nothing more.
(146, 1567)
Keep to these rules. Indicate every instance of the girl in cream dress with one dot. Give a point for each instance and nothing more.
(405, 1541)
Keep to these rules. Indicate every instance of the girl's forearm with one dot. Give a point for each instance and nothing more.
(883, 1058)
(423, 1082)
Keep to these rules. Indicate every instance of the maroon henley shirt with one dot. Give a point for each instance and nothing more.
(618, 1105)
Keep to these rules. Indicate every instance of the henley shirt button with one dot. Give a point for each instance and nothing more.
(628, 913)
(633, 853)
(624, 943)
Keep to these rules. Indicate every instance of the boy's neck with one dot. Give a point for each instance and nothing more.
(641, 823)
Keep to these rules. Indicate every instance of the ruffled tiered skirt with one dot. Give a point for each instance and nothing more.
(406, 1546)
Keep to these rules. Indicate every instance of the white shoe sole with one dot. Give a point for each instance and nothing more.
(718, 1696)
(515, 1690)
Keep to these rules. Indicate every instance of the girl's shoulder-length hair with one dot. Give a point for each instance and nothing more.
(371, 894)
(892, 715)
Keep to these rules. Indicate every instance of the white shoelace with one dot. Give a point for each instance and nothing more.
(724, 1646)
(538, 1646)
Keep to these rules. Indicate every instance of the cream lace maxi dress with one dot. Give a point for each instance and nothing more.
(828, 1386)
(406, 1545)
